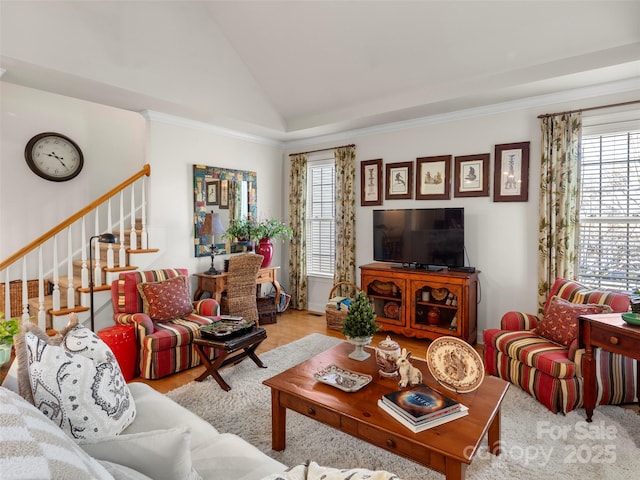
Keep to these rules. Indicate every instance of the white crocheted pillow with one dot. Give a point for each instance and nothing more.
(78, 384)
(33, 447)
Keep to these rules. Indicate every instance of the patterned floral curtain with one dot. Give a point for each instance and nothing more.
(297, 221)
(345, 271)
(559, 201)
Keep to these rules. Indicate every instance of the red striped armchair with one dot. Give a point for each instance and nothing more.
(540, 353)
(158, 303)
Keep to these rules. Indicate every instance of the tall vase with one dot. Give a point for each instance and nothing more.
(265, 248)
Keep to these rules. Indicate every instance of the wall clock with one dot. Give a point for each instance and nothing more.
(54, 157)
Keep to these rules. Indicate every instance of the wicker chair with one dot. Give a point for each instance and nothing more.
(240, 296)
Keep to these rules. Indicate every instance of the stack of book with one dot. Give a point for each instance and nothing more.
(421, 407)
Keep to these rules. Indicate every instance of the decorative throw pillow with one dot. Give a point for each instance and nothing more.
(22, 360)
(167, 299)
(33, 447)
(159, 454)
(560, 323)
(78, 385)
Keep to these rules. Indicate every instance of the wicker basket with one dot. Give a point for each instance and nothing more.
(15, 296)
(334, 316)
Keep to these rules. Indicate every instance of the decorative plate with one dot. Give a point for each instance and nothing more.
(391, 310)
(631, 318)
(455, 364)
(343, 379)
(439, 294)
(382, 288)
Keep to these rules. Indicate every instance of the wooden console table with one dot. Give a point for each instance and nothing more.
(609, 332)
(216, 284)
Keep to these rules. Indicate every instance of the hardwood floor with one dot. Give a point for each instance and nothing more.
(291, 325)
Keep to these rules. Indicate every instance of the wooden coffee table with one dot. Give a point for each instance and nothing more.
(447, 448)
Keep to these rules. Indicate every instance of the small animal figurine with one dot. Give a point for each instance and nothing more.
(408, 373)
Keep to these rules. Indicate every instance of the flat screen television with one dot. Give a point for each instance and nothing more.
(420, 238)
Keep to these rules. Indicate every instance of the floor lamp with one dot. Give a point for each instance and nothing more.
(104, 238)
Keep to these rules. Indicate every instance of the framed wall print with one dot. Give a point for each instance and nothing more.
(471, 176)
(399, 181)
(224, 194)
(511, 173)
(371, 182)
(433, 180)
(213, 192)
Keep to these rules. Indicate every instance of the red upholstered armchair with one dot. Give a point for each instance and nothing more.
(540, 353)
(158, 303)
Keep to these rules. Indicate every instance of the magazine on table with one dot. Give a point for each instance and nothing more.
(426, 424)
(420, 403)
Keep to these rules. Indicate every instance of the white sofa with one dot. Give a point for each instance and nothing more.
(89, 424)
(213, 455)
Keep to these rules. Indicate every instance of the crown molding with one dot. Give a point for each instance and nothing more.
(208, 127)
(555, 98)
(539, 101)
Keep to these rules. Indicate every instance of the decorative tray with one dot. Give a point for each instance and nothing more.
(455, 364)
(226, 327)
(343, 379)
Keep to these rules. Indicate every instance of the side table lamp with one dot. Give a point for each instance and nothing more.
(216, 229)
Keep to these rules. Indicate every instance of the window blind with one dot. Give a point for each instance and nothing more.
(609, 223)
(321, 249)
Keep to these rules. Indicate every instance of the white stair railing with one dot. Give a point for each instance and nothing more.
(16, 270)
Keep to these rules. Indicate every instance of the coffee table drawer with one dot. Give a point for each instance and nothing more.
(310, 410)
(402, 447)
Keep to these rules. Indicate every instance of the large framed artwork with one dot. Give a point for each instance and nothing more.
(399, 181)
(371, 182)
(511, 173)
(433, 180)
(471, 176)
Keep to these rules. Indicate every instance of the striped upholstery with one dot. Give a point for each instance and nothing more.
(550, 372)
(164, 347)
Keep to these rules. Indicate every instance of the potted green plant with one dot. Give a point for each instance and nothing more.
(264, 232)
(359, 325)
(8, 328)
(241, 228)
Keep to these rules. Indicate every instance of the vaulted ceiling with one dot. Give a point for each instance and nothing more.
(288, 70)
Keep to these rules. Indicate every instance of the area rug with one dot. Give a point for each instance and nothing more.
(536, 444)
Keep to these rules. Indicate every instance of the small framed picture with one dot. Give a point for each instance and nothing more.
(224, 194)
(213, 192)
(399, 181)
(433, 180)
(471, 174)
(511, 173)
(371, 182)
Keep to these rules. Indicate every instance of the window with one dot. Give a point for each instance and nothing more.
(321, 209)
(609, 243)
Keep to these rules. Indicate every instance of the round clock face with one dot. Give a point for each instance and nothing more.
(54, 157)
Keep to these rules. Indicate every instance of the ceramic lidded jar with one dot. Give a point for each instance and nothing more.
(387, 352)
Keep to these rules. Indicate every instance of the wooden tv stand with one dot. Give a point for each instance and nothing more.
(403, 299)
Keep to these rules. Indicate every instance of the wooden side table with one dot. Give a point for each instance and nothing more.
(247, 342)
(216, 284)
(609, 332)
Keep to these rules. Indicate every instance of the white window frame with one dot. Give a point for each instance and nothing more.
(620, 268)
(314, 268)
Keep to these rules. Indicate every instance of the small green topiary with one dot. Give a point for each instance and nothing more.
(360, 319)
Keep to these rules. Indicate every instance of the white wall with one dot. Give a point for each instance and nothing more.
(174, 147)
(501, 237)
(112, 141)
